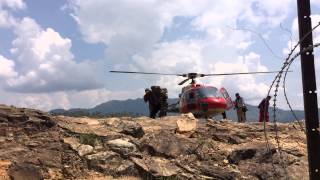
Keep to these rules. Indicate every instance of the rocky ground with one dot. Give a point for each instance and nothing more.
(35, 145)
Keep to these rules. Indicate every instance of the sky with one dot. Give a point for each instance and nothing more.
(58, 54)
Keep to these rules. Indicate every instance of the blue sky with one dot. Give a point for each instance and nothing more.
(57, 54)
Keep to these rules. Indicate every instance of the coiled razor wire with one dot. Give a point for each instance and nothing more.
(285, 68)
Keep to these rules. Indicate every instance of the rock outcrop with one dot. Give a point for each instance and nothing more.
(35, 145)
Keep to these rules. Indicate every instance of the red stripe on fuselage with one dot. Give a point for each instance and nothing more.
(214, 105)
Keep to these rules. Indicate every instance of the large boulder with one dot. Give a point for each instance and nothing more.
(13, 115)
(124, 126)
(4, 167)
(252, 151)
(216, 172)
(187, 124)
(156, 167)
(25, 171)
(122, 146)
(101, 156)
(168, 144)
(131, 128)
(111, 163)
(82, 149)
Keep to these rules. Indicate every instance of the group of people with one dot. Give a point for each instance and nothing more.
(158, 101)
(241, 109)
(157, 98)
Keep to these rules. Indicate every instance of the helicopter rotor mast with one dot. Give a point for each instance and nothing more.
(193, 76)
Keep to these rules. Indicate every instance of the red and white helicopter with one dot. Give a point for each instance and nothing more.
(201, 100)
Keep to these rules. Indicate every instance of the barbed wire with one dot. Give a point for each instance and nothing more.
(260, 36)
(275, 83)
(285, 77)
(286, 65)
(287, 100)
(288, 31)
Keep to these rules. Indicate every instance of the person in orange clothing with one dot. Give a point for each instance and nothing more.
(264, 109)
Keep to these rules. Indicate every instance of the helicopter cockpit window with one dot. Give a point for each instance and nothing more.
(208, 92)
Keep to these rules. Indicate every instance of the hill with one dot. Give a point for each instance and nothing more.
(137, 107)
(35, 145)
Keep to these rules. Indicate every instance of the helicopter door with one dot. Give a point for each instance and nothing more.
(226, 96)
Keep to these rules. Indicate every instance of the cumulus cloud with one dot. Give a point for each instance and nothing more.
(248, 85)
(177, 56)
(132, 32)
(7, 68)
(125, 26)
(13, 4)
(128, 27)
(44, 62)
(6, 18)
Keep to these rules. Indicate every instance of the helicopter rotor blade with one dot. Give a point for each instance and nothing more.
(133, 72)
(182, 82)
(242, 73)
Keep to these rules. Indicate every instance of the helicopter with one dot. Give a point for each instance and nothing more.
(203, 101)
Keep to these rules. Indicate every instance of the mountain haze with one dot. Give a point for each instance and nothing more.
(139, 107)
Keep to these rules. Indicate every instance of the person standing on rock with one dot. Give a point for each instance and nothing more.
(163, 102)
(240, 107)
(151, 97)
(264, 109)
(148, 99)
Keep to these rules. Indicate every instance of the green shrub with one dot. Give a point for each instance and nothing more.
(90, 139)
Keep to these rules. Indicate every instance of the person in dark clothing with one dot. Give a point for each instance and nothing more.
(224, 115)
(148, 98)
(156, 93)
(163, 102)
(153, 98)
(264, 109)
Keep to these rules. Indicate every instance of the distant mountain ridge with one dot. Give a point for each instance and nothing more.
(139, 107)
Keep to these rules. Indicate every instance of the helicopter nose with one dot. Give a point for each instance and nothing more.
(214, 103)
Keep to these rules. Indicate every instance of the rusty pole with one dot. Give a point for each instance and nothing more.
(309, 90)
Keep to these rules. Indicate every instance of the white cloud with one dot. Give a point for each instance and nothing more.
(38, 101)
(315, 2)
(253, 62)
(65, 100)
(12, 4)
(131, 27)
(272, 12)
(177, 56)
(125, 26)
(7, 68)
(247, 85)
(252, 13)
(132, 32)
(44, 62)
(6, 18)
